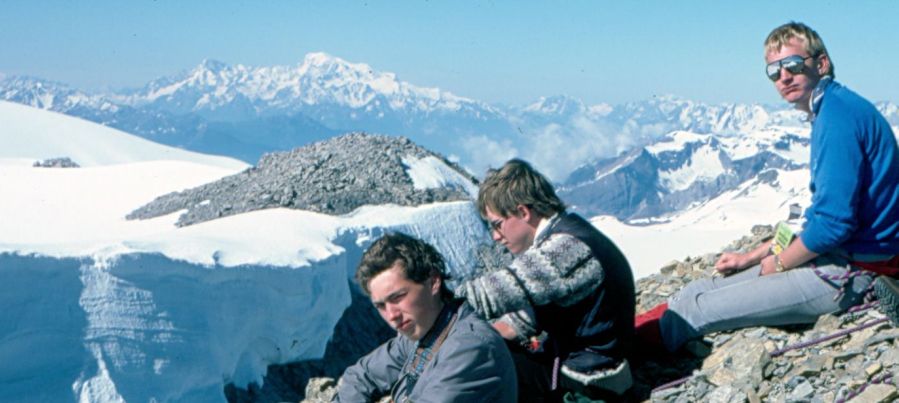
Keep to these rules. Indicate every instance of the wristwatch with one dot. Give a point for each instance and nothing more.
(778, 264)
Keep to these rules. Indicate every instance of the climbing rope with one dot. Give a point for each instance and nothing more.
(836, 335)
(843, 279)
(863, 307)
(886, 378)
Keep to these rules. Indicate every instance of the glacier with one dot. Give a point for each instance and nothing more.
(102, 309)
(175, 315)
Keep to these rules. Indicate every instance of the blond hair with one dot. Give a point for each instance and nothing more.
(810, 39)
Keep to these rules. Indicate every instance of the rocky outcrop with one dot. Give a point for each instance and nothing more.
(62, 162)
(332, 177)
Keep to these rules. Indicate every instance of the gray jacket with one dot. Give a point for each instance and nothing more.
(472, 365)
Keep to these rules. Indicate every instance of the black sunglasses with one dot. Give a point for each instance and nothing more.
(794, 64)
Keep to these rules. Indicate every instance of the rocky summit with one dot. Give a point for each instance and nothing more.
(335, 176)
(61, 162)
(851, 357)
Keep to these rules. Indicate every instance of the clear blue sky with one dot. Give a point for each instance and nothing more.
(497, 51)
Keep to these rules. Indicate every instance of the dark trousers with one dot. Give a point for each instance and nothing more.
(534, 373)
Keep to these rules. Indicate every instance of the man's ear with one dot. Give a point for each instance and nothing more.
(524, 212)
(528, 215)
(823, 64)
(436, 283)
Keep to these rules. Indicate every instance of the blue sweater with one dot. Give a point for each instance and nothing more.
(854, 177)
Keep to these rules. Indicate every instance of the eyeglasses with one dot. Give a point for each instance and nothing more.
(794, 64)
(497, 225)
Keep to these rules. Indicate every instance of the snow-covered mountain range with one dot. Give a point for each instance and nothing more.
(681, 170)
(640, 160)
(244, 111)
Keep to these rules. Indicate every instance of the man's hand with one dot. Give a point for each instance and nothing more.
(731, 262)
(768, 266)
(505, 330)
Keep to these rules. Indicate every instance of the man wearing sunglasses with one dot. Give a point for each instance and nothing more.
(567, 279)
(851, 229)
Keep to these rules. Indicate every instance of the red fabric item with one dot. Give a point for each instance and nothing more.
(653, 314)
(646, 326)
(886, 267)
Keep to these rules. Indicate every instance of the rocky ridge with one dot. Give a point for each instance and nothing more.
(61, 162)
(738, 366)
(335, 176)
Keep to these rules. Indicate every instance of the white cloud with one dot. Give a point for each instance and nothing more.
(556, 150)
(484, 152)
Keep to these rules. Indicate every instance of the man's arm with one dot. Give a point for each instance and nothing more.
(794, 255)
(374, 374)
(838, 166)
(561, 269)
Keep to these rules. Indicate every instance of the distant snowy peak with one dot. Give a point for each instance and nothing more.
(648, 119)
(560, 105)
(326, 77)
(320, 79)
(682, 169)
(890, 111)
(791, 143)
(697, 117)
(49, 95)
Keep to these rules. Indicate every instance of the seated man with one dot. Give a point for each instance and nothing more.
(443, 352)
(567, 280)
(850, 233)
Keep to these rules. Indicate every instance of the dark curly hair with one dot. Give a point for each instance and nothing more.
(418, 259)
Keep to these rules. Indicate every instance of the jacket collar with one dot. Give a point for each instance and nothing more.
(543, 229)
(814, 102)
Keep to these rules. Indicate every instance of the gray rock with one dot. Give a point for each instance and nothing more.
(726, 394)
(332, 177)
(320, 390)
(62, 162)
(740, 362)
(752, 396)
(801, 393)
(811, 366)
(885, 335)
(877, 394)
(666, 394)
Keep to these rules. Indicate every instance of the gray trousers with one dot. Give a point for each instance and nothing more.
(746, 299)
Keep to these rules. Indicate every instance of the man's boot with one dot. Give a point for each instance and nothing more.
(887, 290)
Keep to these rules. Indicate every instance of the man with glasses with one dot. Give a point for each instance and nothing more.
(567, 280)
(443, 351)
(851, 229)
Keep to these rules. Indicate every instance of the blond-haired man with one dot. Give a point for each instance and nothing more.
(851, 229)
